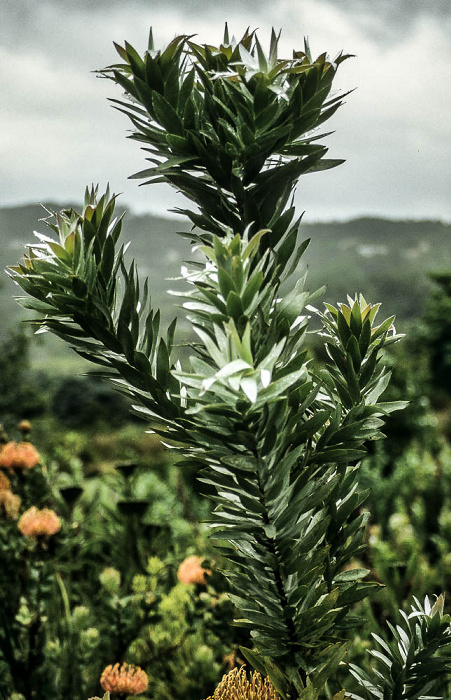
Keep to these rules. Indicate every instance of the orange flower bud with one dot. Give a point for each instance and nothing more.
(24, 426)
(191, 571)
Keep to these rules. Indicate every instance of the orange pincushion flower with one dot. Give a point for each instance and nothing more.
(127, 679)
(9, 503)
(19, 455)
(35, 522)
(191, 571)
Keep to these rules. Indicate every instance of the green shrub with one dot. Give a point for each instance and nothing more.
(23, 394)
(85, 403)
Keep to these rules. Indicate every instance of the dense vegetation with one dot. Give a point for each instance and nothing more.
(104, 542)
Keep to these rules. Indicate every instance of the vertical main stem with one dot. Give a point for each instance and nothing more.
(278, 569)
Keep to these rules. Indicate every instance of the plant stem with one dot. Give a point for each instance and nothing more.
(272, 545)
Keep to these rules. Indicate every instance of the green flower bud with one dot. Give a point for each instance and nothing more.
(90, 638)
(52, 648)
(139, 584)
(154, 566)
(110, 578)
(24, 616)
(80, 615)
(204, 654)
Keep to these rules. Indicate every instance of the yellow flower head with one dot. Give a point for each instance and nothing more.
(19, 455)
(191, 571)
(236, 686)
(24, 426)
(5, 484)
(35, 522)
(9, 503)
(127, 679)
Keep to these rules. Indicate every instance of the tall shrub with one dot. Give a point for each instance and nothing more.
(277, 439)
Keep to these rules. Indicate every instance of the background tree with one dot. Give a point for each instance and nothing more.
(435, 331)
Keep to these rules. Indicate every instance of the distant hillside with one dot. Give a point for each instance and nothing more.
(154, 244)
(158, 251)
(386, 260)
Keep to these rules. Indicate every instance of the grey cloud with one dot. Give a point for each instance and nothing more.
(57, 131)
(383, 20)
(396, 10)
(386, 21)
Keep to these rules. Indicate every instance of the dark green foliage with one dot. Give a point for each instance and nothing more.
(86, 403)
(261, 393)
(21, 391)
(79, 286)
(410, 380)
(435, 332)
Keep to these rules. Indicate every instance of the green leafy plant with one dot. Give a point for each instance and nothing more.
(277, 440)
(229, 126)
(411, 664)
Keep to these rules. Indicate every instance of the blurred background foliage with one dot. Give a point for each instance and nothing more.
(104, 589)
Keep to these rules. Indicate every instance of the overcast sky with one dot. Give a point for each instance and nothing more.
(59, 133)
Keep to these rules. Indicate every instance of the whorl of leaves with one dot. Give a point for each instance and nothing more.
(415, 662)
(229, 126)
(85, 294)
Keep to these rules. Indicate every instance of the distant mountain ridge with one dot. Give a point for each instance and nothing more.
(386, 260)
